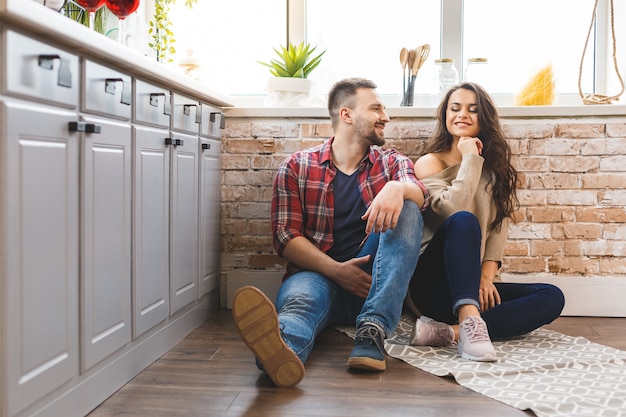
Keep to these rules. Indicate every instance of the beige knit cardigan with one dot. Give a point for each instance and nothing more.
(464, 187)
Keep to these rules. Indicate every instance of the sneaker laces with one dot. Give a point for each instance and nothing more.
(476, 329)
(371, 334)
(441, 336)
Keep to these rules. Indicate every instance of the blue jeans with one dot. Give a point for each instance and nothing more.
(448, 275)
(308, 302)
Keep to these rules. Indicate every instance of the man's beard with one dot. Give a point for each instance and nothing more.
(374, 139)
(370, 135)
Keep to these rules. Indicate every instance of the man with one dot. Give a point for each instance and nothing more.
(346, 215)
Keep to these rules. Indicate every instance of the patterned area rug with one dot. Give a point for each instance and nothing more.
(547, 372)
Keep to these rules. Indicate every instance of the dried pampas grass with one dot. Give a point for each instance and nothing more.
(540, 90)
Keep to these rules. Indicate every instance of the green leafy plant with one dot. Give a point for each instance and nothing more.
(294, 62)
(160, 28)
(76, 12)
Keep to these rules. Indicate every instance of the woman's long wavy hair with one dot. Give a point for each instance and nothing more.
(496, 150)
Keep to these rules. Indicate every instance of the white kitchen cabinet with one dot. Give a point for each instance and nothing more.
(151, 249)
(166, 206)
(211, 128)
(98, 213)
(106, 245)
(184, 187)
(39, 236)
(184, 220)
(151, 212)
(106, 183)
(39, 251)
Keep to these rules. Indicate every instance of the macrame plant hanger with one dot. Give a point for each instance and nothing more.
(598, 98)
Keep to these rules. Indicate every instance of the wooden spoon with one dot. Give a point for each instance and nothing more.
(411, 62)
(412, 57)
(421, 53)
(404, 60)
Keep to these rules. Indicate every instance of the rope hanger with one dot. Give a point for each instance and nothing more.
(599, 98)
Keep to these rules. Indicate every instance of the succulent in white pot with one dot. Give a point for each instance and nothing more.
(289, 85)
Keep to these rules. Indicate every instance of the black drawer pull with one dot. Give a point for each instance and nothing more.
(109, 87)
(167, 106)
(65, 74)
(222, 119)
(198, 107)
(84, 127)
(175, 142)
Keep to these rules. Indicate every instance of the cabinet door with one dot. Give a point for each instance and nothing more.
(106, 233)
(184, 222)
(151, 214)
(210, 182)
(39, 188)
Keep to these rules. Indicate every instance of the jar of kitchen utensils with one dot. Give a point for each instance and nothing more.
(446, 75)
(477, 71)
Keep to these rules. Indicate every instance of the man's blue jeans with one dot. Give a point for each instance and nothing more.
(308, 302)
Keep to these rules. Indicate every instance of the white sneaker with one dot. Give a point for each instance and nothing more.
(474, 342)
(428, 332)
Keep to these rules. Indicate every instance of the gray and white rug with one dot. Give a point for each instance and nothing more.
(547, 372)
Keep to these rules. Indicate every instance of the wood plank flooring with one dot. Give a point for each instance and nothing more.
(212, 373)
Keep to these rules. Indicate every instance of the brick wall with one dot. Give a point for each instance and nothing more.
(573, 194)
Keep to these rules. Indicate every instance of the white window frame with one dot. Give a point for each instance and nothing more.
(452, 35)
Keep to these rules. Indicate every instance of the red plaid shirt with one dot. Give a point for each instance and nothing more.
(303, 203)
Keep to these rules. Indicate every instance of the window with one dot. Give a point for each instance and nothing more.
(228, 38)
(519, 38)
(364, 38)
(370, 35)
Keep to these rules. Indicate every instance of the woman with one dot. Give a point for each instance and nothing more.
(467, 170)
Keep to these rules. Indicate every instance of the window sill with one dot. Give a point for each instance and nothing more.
(509, 112)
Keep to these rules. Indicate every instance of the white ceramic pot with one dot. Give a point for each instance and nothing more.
(291, 92)
(289, 85)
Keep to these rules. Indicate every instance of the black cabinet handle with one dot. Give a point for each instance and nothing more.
(167, 106)
(206, 146)
(109, 87)
(65, 74)
(198, 107)
(175, 142)
(84, 127)
(222, 119)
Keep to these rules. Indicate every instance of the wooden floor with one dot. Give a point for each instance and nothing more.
(212, 373)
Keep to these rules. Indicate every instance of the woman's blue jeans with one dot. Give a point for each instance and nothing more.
(448, 275)
(308, 302)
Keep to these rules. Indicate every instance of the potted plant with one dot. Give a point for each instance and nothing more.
(289, 85)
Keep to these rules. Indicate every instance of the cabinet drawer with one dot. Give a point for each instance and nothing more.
(106, 92)
(38, 71)
(153, 105)
(212, 122)
(186, 114)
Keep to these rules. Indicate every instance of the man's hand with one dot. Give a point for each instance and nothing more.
(352, 278)
(385, 209)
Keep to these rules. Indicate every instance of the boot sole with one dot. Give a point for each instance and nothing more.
(367, 364)
(257, 323)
